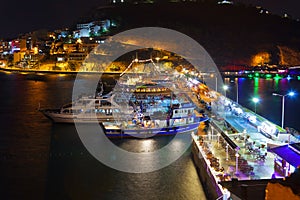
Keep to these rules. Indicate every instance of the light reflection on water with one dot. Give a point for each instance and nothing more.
(39, 160)
(269, 106)
(84, 177)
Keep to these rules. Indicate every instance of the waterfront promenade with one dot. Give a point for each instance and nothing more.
(232, 147)
(232, 131)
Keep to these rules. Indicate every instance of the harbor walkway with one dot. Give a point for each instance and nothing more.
(233, 146)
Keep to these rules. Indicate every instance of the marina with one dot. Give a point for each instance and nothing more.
(150, 100)
(138, 110)
(65, 148)
(230, 142)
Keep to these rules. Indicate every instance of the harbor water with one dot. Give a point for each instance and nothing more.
(269, 106)
(41, 160)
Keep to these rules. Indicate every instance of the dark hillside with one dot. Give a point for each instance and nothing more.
(230, 33)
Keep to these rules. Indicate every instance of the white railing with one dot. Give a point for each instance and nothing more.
(212, 172)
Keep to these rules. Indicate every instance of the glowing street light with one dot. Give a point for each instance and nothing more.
(283, 97)
(227, 156)
(225, 88)
(216, 77)
(157, 59)
(255, 101)
(237, 91)
(237, 162)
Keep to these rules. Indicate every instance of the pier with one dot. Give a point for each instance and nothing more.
(235, 148)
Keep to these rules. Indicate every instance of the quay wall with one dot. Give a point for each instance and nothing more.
(208, 181)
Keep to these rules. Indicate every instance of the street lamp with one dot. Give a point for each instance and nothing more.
(216, 77)
(225, 88)
(237, 162)
(255, 100)
(227, 153)
(237, 91)
(218, 136)
(157, 59)
(283, 97)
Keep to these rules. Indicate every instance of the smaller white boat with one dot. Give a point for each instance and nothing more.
(87, 110)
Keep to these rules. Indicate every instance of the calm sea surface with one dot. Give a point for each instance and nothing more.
(41, 160)
(269, 106)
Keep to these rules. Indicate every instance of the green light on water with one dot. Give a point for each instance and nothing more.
(256, 74)
(250, 76)
(298, 77)
(268, 76)
(277, 77)
(276, 80)
(256, 86)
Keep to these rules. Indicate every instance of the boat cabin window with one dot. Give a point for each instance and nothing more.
(75, 111)
(84, 102)
(100, 111)
(109, 112)
(116, 111)
(105, 103)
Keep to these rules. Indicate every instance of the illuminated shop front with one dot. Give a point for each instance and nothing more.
(287, 158)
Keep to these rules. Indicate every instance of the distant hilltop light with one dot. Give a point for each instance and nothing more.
(225, 2)
(285, 15)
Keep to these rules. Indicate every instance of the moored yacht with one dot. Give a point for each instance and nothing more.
(86, 110)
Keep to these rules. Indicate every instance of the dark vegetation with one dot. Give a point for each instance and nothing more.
(230, 33)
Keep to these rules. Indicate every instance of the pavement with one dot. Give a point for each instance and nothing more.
(262, 169)
(237, 127)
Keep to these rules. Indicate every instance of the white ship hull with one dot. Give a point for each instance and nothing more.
(72, 118)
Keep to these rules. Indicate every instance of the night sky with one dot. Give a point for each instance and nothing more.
(25, 16)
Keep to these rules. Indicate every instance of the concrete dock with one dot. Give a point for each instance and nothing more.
(232, 148)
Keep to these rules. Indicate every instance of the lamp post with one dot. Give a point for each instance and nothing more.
(283, 97)
(237, 91)
(255, 100)
(216, 83)
(157, 59)
(236, 162)
(227, 152)
(216, 78)
(211, 134)
(225, 88)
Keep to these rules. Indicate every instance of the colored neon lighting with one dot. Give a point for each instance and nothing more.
(256, 86)
(276, 83)
(277, 77)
